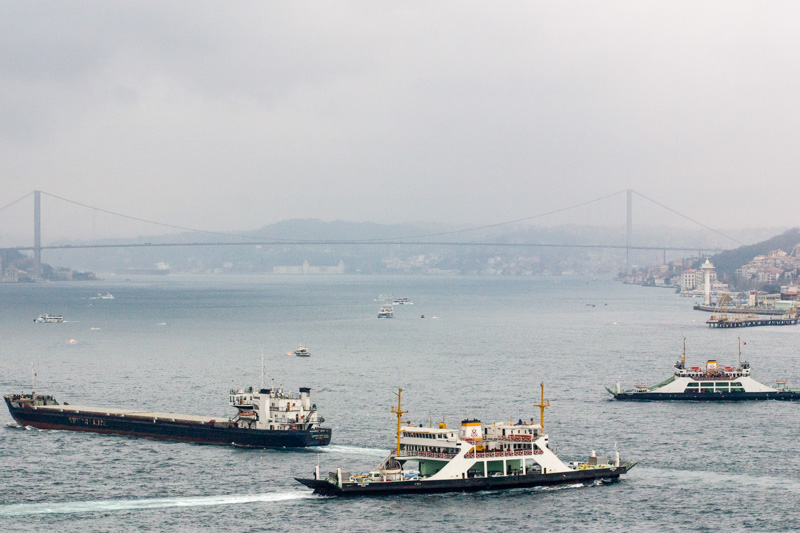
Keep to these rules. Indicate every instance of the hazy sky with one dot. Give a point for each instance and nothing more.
(238, 114)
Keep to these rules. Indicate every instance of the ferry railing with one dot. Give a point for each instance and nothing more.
(433, 455)
(509, 453)
(507, 438)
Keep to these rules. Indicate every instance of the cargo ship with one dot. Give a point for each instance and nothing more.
(264, 418)
(714, 382)
(475, 457)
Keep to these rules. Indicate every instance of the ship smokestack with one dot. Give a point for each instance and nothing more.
(305, 398)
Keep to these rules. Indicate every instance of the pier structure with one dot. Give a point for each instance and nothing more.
(743, 310)
(724, 321)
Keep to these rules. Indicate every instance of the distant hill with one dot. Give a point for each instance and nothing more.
(727, 262)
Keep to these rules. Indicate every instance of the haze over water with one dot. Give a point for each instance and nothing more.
(178, 344)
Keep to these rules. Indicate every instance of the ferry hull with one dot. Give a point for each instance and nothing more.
(165, 429)
(706, 396)
(464, 485)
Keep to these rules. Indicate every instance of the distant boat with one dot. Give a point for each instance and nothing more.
(49, 319)
(402, 301)
(301, 351)
(714, 383)
(384, 298)
(101, 296)
(387, 311)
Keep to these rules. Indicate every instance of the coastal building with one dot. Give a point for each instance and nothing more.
(772, 267)
(688, 280)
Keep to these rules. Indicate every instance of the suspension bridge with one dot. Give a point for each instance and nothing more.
(414, 240)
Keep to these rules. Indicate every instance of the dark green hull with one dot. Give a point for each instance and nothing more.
(706, 396)
(323, 486)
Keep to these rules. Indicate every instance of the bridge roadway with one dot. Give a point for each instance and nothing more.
(371, 243)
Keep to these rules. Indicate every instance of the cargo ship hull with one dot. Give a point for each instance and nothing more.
(475, 484)
(163, 426)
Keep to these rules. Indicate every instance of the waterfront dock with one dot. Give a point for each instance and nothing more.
(724, 321)
(739, 310)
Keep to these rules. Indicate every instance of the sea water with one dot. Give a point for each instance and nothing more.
(179, 343)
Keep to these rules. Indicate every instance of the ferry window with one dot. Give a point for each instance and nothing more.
(695, 385)
(736, 384)
(707, 384)
(737, 389)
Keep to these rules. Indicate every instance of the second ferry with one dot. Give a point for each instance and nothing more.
(503, 455)
(714, 382)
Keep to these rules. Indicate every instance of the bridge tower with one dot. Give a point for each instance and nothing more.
(630, 229)
(37, 234)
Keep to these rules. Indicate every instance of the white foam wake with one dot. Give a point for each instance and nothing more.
(564, 487)
(152, 503)
(355, 450)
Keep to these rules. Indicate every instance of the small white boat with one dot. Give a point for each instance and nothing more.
(387, 311)
(301, 351)
(49, 319)
(101, 296)
(402, 301)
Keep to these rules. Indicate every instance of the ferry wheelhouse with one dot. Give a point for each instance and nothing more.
(713, 382)
(473, 457)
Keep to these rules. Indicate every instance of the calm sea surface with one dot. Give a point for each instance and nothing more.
(179, 343)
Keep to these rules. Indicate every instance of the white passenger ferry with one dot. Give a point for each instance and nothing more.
(477, 456)
(387, 311)
(714, 382)
(49, 319)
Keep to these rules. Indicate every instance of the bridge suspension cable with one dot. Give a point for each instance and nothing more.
(688, 218)
(540, 215)
(173, 226)
(15, 201)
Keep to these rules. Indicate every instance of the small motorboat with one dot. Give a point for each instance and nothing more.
(301, 351)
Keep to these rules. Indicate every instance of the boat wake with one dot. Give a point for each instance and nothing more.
(154, 503)
(355, 450)
(563, 487)
(726, 479)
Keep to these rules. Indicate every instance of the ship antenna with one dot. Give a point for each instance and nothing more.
(543, 403)
(399, 412)
(262, 369)
(740, 352)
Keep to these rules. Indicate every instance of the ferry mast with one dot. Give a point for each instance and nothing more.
(541, 405)
(683, 357)
(400, 414)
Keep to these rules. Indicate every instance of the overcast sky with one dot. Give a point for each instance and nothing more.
(233, 115)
